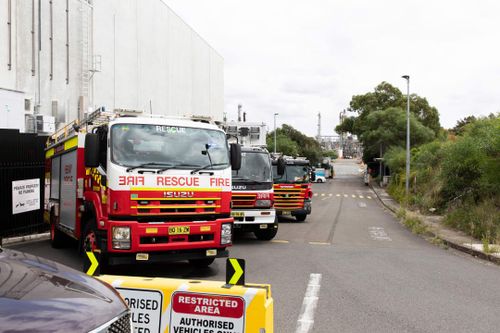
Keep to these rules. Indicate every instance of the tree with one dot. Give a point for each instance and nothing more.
(290, 141)
(284, 144)
(387, 128)
(461, 123)
(346, 126)
(387, 96)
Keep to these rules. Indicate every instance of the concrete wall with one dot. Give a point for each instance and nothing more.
(150, 57)
(121, 54)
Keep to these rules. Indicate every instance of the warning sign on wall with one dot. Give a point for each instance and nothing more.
(145, 306)
(25, 195)
(206, 313)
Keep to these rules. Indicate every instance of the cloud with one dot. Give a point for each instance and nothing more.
(299, 58)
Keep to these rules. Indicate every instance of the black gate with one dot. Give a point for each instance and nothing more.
(22, 158)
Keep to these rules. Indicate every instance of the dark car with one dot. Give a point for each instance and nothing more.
(40, 295)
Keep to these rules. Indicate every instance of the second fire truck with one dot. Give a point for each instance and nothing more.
(253, 198)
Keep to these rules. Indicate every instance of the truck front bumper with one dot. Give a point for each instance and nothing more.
(292, 212)
(160, 257)
(157, 238)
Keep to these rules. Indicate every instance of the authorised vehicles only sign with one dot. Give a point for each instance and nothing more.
(206, 313)
(145, 306)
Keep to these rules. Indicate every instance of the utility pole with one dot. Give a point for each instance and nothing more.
(275, 132)
(407, 183)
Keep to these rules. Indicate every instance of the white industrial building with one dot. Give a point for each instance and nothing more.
(60, 58)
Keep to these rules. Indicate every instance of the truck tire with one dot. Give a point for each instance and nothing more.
(200, 263)
(267, 234)
(89, 242)
(300, 217)
(57, 237)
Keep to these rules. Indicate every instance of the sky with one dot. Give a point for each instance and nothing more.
(299, 58)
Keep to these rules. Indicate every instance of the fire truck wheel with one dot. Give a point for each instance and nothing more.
(57, 237)
(89, 237)
(201, 262)
(266, 234)
(89, 242)
(300, 217)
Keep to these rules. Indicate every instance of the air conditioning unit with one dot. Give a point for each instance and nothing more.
(45, 124)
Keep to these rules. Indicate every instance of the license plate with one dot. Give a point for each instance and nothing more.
(237, 214)
(263, 226)
(286, 212)
(183, 230)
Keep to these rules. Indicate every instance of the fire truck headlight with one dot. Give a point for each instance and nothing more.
(226, 234)
(121, 238)
(263, 203)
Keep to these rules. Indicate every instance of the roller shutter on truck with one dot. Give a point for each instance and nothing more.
(68, 189)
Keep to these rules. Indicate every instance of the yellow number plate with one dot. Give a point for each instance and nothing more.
(183, 230)
(237, 214)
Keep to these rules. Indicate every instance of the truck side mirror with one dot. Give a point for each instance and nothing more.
(91, 150)
(235, 156)
(281, 167)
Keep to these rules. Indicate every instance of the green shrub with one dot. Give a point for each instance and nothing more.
(481, 221)
(471, 165)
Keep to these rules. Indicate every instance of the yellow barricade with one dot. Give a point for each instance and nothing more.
(192, 306)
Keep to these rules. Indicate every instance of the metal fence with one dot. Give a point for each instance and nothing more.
(21, 158)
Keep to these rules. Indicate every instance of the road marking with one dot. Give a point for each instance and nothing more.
(378, 233)
(315, 194)
(369, 197)
(345, 195)
(322, 194)
(338, 195)
(280, 241)
(362, 204)
(325, 198)
(361, 197)
(306, 319)
(330, 194)
(319, 243)
(353, 196)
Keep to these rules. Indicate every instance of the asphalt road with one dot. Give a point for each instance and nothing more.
(362, 270)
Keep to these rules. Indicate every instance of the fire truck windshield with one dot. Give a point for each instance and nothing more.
(156, 146)
(293, 174)
(255, 167)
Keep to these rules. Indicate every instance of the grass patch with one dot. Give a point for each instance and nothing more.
(401, 213)
(439, 242)
(481, 221)
(415, 225)
(489, 248)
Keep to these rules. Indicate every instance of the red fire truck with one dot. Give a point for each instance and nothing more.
(141, 188)
(253, 198)
(292, 189)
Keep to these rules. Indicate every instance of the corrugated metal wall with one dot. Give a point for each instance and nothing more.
(144, 54)
(44, 43)
(21, 157)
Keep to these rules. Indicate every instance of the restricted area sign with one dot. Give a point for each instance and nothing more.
(206, 313)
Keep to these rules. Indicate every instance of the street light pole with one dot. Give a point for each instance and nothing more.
(407, 78)
(275, 132)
